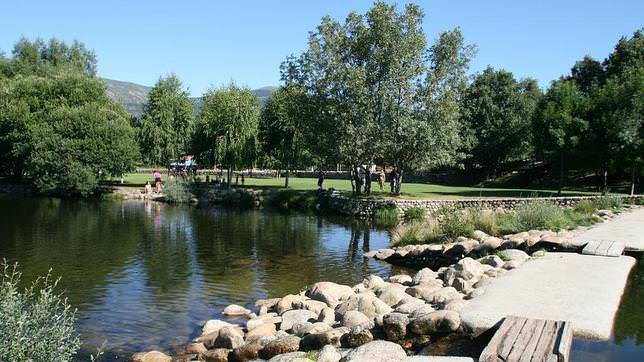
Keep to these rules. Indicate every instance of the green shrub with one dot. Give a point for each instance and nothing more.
(177, 191)
(608, 202)
(287, 200)
(415, 214)
(386, 215)
(415, 232)
(484, 220)
(586, 207)
(36, 323)
(455, 223)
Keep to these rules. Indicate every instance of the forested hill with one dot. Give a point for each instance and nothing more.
(132, 96)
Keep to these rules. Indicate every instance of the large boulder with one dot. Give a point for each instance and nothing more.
(289, 318)
(217, 355)
(286, 303)
(409, 305)
(424, 291)
(373, 281)
(395, 326)
(424, 275)
(327, 315)
(441, 321)
(214, 325)
(392, 294)
(270, 318)
(247, 352)
(313, 305)
(366, 303)
(423, 310)
(331, 293)
(354, 318)
(318, 340)
(357, 336)
(264, 330)
(279, 346)
(400, 279)
(514, 255)
(152, 356)
(236, 310)
(329, 353)
(492, 260)
(268, 303)
(444, 296)
(376, 351)
(230, 338)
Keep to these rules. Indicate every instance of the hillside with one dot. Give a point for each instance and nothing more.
(132, 96)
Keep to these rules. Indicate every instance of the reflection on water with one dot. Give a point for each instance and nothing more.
(146, 275)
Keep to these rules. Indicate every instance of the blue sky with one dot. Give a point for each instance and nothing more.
(209, 43)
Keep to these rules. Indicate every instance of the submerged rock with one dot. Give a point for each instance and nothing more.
(152, 356)
(236, 310)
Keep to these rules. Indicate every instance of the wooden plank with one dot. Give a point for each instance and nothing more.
(524, 338)
(532, 344)
(510, 338)
(616, 249)
(590, 248)
(489, 354)
(603, 247)
(545, 341)
(565, 342)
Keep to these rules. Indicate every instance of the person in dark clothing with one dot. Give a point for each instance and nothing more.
(320, 179)
(367, 181)
(392, 180)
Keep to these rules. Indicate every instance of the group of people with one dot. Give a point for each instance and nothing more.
(158, 184)
(362, 177)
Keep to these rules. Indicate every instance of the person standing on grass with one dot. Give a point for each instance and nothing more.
(243, 180)
(392, 180)
(381, 180)
(320, 179)
(367, 181)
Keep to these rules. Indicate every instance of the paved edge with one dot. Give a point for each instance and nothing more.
(583, 289)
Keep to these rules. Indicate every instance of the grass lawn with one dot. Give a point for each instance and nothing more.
(410, 190)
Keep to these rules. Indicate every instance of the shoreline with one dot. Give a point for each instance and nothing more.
(396, 317)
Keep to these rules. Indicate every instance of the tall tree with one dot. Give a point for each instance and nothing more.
(498, 113)
(557, 126)
(587, 74)
(281, 135)
(167, 122)
(228, 126)
(370, 82)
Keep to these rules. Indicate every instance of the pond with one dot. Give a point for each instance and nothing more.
(146, 275)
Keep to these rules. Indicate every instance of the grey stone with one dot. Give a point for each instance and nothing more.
(357, 336)
(492, 260)
(236, 310)
(441, 321)
(331, 293)
(424, 275)
(395, 326)
(230, 337)
(354, 318)
(280, 346)
(289, 318)
(327, 315)
(367, 304)
(376, 351)
(329, 353)
(400, 279)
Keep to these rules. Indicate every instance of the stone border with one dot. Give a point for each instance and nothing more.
(365, 207)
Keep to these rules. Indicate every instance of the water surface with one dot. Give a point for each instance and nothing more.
(146, 275)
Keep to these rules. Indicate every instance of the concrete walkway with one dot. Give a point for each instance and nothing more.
(627, 228)
(583, 289)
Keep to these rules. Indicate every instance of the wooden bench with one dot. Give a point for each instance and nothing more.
(604, 248)
(527, 339)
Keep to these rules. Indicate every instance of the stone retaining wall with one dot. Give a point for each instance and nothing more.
(365, 207)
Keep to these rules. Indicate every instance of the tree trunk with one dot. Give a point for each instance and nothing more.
(561, 172)
(230, 176)
(286, 179)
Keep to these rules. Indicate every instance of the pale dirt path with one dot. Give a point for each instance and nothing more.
(628, 228)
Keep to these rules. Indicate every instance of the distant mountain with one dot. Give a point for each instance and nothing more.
(132, 96)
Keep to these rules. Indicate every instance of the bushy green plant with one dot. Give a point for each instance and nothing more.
(415, 232)
(541, 215)
(415, 214)
(586, 207)
(608, 202)
(455, 223)
(386, 216)
(484, 220)
(177, 191)
(36, 323)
